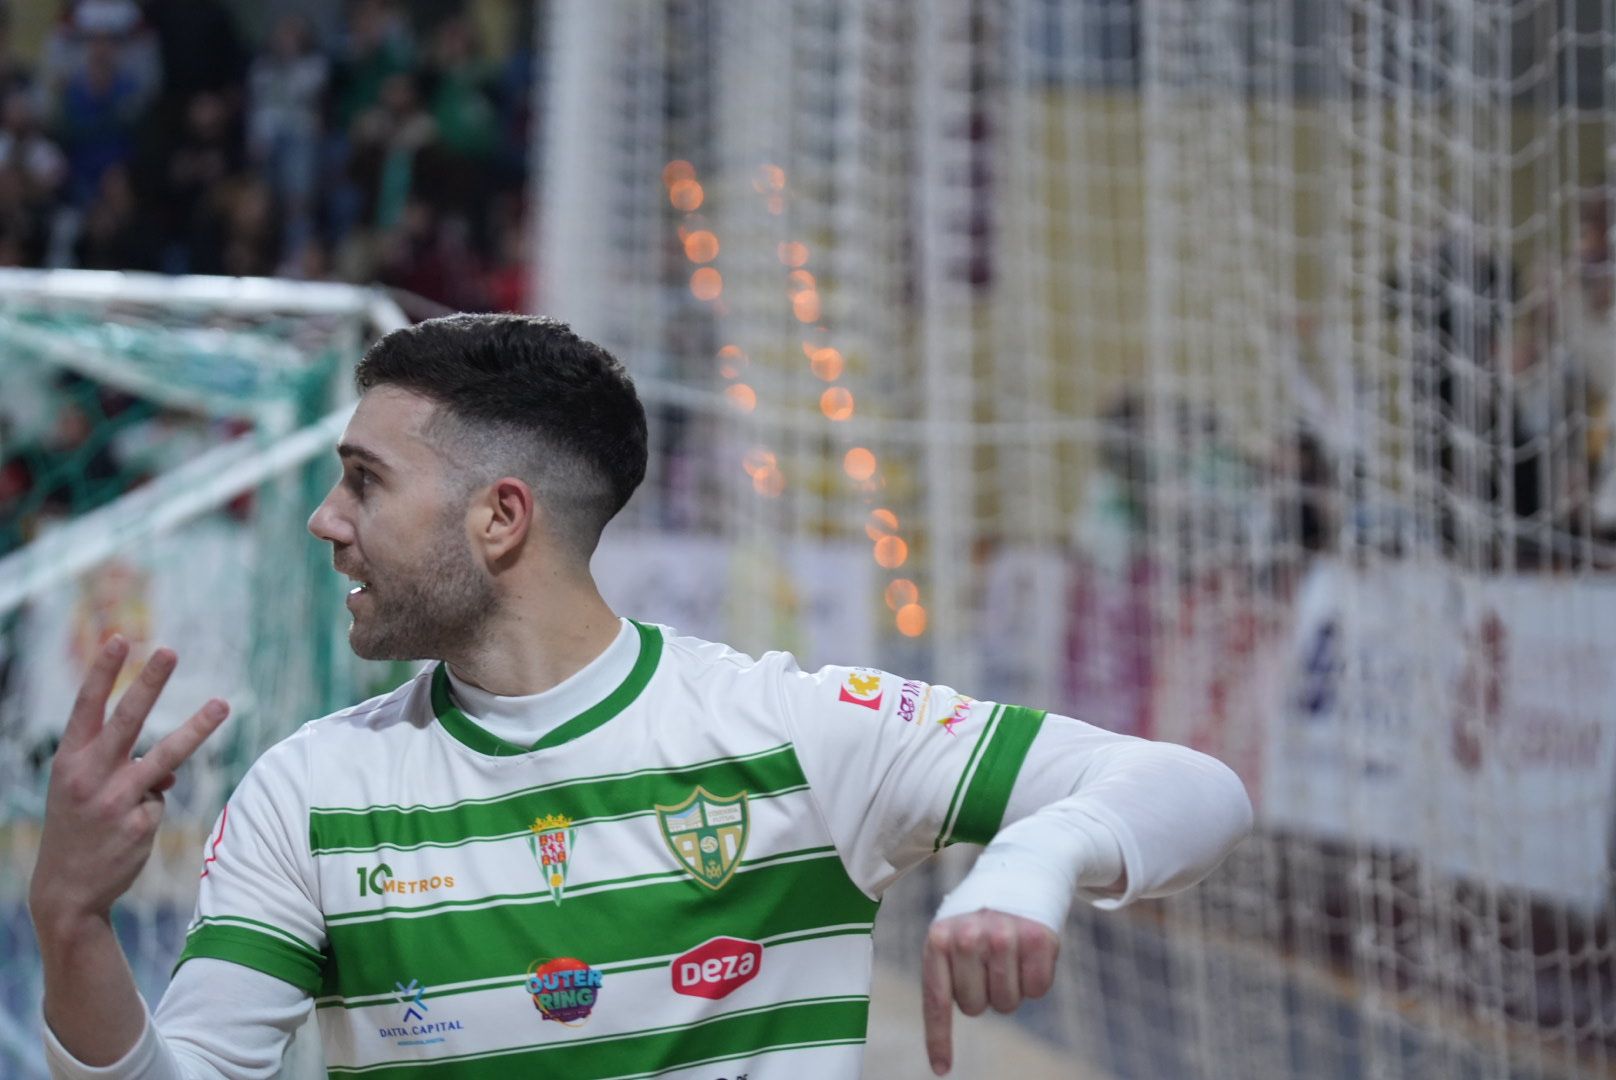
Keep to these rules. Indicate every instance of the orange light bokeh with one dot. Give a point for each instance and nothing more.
(677, 170)
(836, 403)
(859, 463)
(706, 284)
(769, 483)
(891, 552)
(883, 522)
(827, 364)
(777, 204)
(911, 620)
(769, 178)
(805, 306)
(686, 195)
(701, 246)
(901, 592)
(793, 253)
(759, 460)
(741, 396)
(731, 359)
(799, 281)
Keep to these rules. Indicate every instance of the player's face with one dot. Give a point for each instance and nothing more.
(397, 527)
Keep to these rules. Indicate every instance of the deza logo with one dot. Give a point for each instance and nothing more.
(862, 687)
(717, 967)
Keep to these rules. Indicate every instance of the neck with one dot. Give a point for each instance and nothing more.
(539, 638)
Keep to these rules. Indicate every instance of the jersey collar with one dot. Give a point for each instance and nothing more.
(467, 731)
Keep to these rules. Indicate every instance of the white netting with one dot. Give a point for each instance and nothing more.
(1233, 372)
(161, 444)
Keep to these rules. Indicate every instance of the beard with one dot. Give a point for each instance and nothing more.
(425, 611)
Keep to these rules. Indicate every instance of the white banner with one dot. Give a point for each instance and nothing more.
(1471, 720)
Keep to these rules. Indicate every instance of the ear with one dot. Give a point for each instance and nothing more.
(505, 518)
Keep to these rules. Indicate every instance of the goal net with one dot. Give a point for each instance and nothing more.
(162, 442)
(1236, 373)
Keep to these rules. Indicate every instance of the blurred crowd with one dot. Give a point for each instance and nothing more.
(367, 141)
(364, 141)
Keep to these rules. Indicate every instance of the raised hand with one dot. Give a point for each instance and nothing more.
(980, 959)
(103, 807)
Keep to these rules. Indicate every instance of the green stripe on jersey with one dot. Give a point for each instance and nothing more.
(463, 728)
(965, 775)
(273, 954)
(333, 831)
(982, 810)
(643, 916)
(810, 1022)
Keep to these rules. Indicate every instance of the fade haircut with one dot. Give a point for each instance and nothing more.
(524, 396)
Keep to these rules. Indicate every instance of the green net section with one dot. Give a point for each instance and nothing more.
(158, 461)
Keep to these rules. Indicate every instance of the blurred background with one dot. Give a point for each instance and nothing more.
(1232, 372)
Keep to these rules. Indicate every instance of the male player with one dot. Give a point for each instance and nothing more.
(577, 845)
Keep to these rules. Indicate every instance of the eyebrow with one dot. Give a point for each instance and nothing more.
(349, 450)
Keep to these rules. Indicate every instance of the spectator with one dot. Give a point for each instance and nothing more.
(376, 48)
(100, 106)
(287, 89)
(14, 73)
(202, 50)
(25, 147)
(116, 234)
(251, 242)
(81, 23)
(387, 139)
(207, 155)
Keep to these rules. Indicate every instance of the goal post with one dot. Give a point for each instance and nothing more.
(162, 441)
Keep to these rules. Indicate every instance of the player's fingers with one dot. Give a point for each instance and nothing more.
(90, 707)
(123, 726)
(967, 962)
(1003, 966)
(937, 1001)
(1038, 953)
(153, 771)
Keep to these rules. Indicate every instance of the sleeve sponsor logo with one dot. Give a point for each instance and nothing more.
(913, 702)
(959, 710)
(552, 844)
(717, 967)
(862, 687)
(379, 881)
(564, 989)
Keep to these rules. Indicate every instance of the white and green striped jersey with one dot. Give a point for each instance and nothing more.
(680, 880)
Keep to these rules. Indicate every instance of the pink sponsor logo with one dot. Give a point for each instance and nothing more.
(957, 714)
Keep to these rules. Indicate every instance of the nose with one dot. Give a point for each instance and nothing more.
(329, 525)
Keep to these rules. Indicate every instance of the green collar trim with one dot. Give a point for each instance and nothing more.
(464, 729)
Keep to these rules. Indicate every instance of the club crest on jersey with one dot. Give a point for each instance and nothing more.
(862, 687)
(707, 834)
(552, 841)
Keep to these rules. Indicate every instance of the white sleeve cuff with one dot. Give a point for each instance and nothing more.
(1035, 867)
(146, 1060)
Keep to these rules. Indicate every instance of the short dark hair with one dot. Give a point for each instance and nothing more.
(524, 395)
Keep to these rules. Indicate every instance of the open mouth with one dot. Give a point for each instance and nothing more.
(359, 589)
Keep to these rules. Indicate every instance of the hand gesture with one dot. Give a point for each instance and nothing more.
(979, 959)
(103, 807)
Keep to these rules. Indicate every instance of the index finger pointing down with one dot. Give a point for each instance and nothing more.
(937, 1007)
